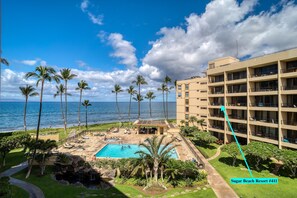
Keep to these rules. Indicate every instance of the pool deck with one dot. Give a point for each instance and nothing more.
(91, 146)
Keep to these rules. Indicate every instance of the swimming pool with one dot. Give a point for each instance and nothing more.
(125, 151)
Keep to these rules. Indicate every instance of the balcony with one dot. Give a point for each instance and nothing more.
(289, 89)
(288, 70)
(237, 117)
(265, 135)
(217, 128)
(263, 89)
(217, 115)
(265, 120)
(261, 104)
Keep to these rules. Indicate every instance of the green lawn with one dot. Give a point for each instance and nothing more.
(13, 158)
(286, 187)
(52, 188)
(207, 150)
(18, 192)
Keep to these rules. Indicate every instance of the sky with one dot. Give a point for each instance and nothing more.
(111, 42)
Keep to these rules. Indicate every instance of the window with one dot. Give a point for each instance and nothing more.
(187, 101)
(203, 99)
(203, 83)
(187, 116)
(203, 91)
(187, 109)
(187, 94)
(179, 94)
(187, 86)
(203, 116)
(203, 107)
(179, 87)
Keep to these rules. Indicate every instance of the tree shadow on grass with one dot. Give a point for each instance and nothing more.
(229, 161)
(203, 144)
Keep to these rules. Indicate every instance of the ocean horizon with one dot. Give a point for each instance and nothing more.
(12, 114)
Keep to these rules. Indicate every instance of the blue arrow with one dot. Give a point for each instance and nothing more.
(223, 109)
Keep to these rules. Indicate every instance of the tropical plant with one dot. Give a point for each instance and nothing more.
(201, 122)
(156, 153)
(182, 122)
(86, 104)
(44, 152)
(131, 91)
(42, 74)
(232, 150)
(150, 96)
(138, 98)
(289, 158)
(7, 144)
(139, 81)
(81, 86)
(205, 137)
(60, 92)
(164, 89)
(117, 89)
(167, 80)
(5, 190)
(27, 91)
(193, 119)
(66, 75)
(188, 130)
(259, 151)
(5, 62)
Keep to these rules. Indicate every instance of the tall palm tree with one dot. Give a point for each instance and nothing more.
(156, 152)
(42, 74)
(60, 92)
(163, 88)
(82, 85)
(66, 75)
(131, 91)
(117, 89)
(201, 122)
(150, 96)
(4, 62)
(138, 98)
(182, 122)
(193, 120)
(139, 81)
(167, 80)
(27, 91)
(86, 104)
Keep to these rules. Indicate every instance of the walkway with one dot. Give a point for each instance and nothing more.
(33, 190)
(215, 180)
(217, 153)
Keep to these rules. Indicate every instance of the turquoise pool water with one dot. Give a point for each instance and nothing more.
(125, 151)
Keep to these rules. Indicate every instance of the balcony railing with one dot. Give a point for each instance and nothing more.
(261, 104)
(216, 104)
(217, 115)
(294, 87)
(240, 130)
(237, 78)
(216, 127)
(289, 105)
(264, 135)
(237, 117)
(271, 120)
(216, 92)
(290, 140)
(237, 91)
(263, 89)
(237, 104)
(263, 74)
(289, 70)
(290, 122)
(216, 81)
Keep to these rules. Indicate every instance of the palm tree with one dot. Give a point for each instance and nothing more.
(66, 75)
(163, 88)
(60, 91)
(5, 62)
(150, 96)
(27, 91)
(86, 104)
(167, 80)
(138, 98)
(193, 119)
(139, 81)
(201, 122)
(117, 89)
(156, 152)
(42, 74)
(82, 85)
(182, 122)
(44, 152)
(131, 91)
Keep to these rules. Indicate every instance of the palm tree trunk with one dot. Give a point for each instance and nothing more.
(129, 107)
(164, 106)
(25, 112)
(156, 165)
(87, 117)
(37, 131)
(118, 107)
(66, 106)
(151, 108)
(62, 110)
(80, 97)
(139, 102)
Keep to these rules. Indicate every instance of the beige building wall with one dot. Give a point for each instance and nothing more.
(191, 99)
(260, 96)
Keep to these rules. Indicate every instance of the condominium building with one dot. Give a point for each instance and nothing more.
(191, 100)
(260, 96)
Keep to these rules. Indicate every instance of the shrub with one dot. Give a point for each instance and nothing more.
(189, 182)
(232, 150)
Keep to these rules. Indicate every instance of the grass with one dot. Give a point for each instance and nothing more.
(286, 186)
(13, 158)
(51, 188)
(207, 150)
(18, 192)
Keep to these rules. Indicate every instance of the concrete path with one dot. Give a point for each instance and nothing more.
(33, 190)
(215, 180)
(217, 154)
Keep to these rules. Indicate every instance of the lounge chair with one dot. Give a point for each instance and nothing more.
(66, 145)
(115, 130)
(85, 137)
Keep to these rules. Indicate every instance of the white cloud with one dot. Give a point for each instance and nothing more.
(32, 62)
(123, 50)
(184, 52)
(29, 62)
(96, 19)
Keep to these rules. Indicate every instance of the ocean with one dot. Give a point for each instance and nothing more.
(11, 113)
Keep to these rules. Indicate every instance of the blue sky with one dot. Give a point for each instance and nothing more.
(108, 42)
